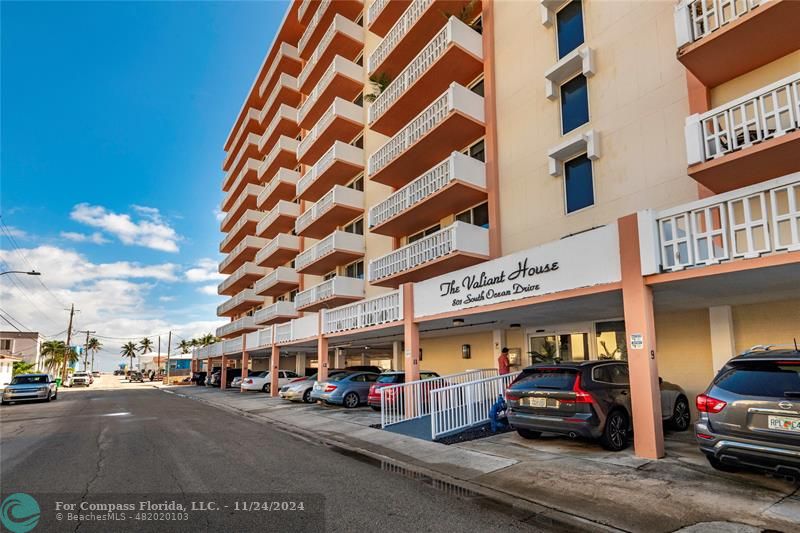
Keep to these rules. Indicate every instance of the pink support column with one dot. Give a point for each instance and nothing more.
(223, 378)
(245, 360)
(322, 354)
(411, 341)
(274, 365)
(637, 300)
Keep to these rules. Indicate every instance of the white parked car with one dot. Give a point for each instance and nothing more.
(81, 378)
(261, 380)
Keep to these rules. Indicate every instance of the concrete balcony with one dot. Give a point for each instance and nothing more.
(336, 208)
(755, 32)
(276, 313)
(457, 246)
(278, 251)
(251, 123)
(342, 78)
(237, 174)
(245, 226)
(746, 223)
(283, 124)
(243, 277)
(241, 302)
(383, 14)
(451, 122)
(331, 293)
(280, 280)
(748, 140)
(319, 23)
(371, 312)
(282, 155)
(286, 61)
(249, 148)
(306, 327)
(244, 252)
(306, 11)
(340, 164)
(242, 325)
(285, 92)
(248, 175)
(280, 187)
(342, 121)
(246, 200)
(338, 248)
(280, 219)
(416, 26)
(452, 186)
(455, 54)
(344, 38)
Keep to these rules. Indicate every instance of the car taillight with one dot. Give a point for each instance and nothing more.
(511, 395)
(581, 396)
(372, 389)
(330, 388)
(248, 381)
(707, 404)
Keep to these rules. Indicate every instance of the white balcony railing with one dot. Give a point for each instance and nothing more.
(240, 324)
(304, 327)
(285, 83)
(284, 176)
(695, 19)
(249, 216)
(767, 113)
(251, 189)
(339, 66)
(304, 5)
(245, 271)
(374, 10)
(282, 309)
(338, 195)
(251, 140)
(458, 237)
(284, 50)
(340, 24)
(338, 109)
(259, 339)
(253, 115)
(284, 144)
(247, 295)
(232, 345)
(279, 275)
(366, 313)
(282, 240)
(281, 209)
(284, 112)
(230, 185)
(456, 167)
(338, 240)
(248, 242)
(400, 29)
(232, 191)
(322, 7)
(454, 31)
(336, 287)
(456, 97)
(757, 220)
(338, 152)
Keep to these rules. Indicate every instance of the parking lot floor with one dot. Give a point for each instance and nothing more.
(575, 477)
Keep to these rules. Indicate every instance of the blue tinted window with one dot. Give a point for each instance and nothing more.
(578, 183)
(569, 28)
(574, 103)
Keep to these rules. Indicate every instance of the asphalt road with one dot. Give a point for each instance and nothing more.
(99, 445)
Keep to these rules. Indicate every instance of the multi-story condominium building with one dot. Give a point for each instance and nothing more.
(25, 345)
(417, 184)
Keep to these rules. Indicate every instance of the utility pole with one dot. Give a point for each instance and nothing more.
(69, 339)
(158, 356)
(86, 351)
(169, 344)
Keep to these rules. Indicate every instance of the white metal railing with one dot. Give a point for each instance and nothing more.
(246, 322)
(338, 152)
(281, 240)
(251, 189)
(338, 240)
(462, 406)
(261, 338)
(285, 81)
(338, 195)
(374, 10)
(283, 176)
(281, 274)
(281, 309)
(453, 31)
(458, 237)
(252, 114)
(456, 167)
(339, 286)
(232, 345)
(695, 19)
(455, 97)
(769, 112)
(233, 190)
(283, 332)
(249, 216)
(301, 11)
(322, 6)
(339, 108)
(210, 350)
(366, 313)
(284, 112)
(398, 31)
(247, 295)
(744, 223)
(406, 401)
(285, 50)
(248, 242)
(251, 138)
(339, 65)
(296, 329)
(281, 209)
(247, 269)
(339, 24)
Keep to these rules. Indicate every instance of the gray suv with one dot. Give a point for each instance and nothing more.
(750, 414)
(26, 387)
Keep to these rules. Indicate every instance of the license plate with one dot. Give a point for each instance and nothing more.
(784, 423)
(534, 402)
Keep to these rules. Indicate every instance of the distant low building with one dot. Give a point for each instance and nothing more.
(7, 368)
(26, 345)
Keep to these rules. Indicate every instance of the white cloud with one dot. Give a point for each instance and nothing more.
(18, 233)
(204, 270)
(166, 298)
(208, 289)
(219, 215)
(95, 238)
(150, 231)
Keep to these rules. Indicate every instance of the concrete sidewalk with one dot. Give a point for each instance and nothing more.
(570, 480)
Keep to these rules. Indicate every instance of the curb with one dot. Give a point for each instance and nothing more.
(526, 510)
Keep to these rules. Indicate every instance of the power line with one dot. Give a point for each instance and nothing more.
(12, 277)
(15, 320)
(10, 323)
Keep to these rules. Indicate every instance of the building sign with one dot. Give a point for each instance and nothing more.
(637, 341)
(590, 258)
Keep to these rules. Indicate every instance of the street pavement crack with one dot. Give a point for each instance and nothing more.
(100, 443)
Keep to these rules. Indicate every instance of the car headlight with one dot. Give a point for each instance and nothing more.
(44, 388)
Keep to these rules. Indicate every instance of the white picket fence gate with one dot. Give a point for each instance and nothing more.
(461, 406)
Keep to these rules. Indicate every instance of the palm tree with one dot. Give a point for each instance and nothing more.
(184, 346)
(21, 367)
(207, 339)
(145, 346)
(55, 352)
(94, 345)
(129, 350)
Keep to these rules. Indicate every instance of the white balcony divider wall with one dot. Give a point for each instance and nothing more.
(374, 311)
(339, 108)
(282, 240)
(340, 24)
(276, 310)
(769, 112)
(284, 50)
(247, 269)
(339, 66)
(285, 112)
(281, 274)
(248, 242)
(246, 296)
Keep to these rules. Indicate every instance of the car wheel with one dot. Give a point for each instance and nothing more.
(350, 400)
(307, 396)
(375, 407)
(49, 397)
(3, 402)
(716, 464)
(528, 433)
(615, 434)
(55, 395)
(267, 388)
(681, 415)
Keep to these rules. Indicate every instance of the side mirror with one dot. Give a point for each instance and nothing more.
(4, 384)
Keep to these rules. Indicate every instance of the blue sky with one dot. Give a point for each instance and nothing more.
(114, 117)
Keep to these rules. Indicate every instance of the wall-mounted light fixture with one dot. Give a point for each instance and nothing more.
(513, 326)
(458, 321)
(466, 351)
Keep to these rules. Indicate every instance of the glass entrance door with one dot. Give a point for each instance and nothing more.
(542, 349)
(561, 347)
